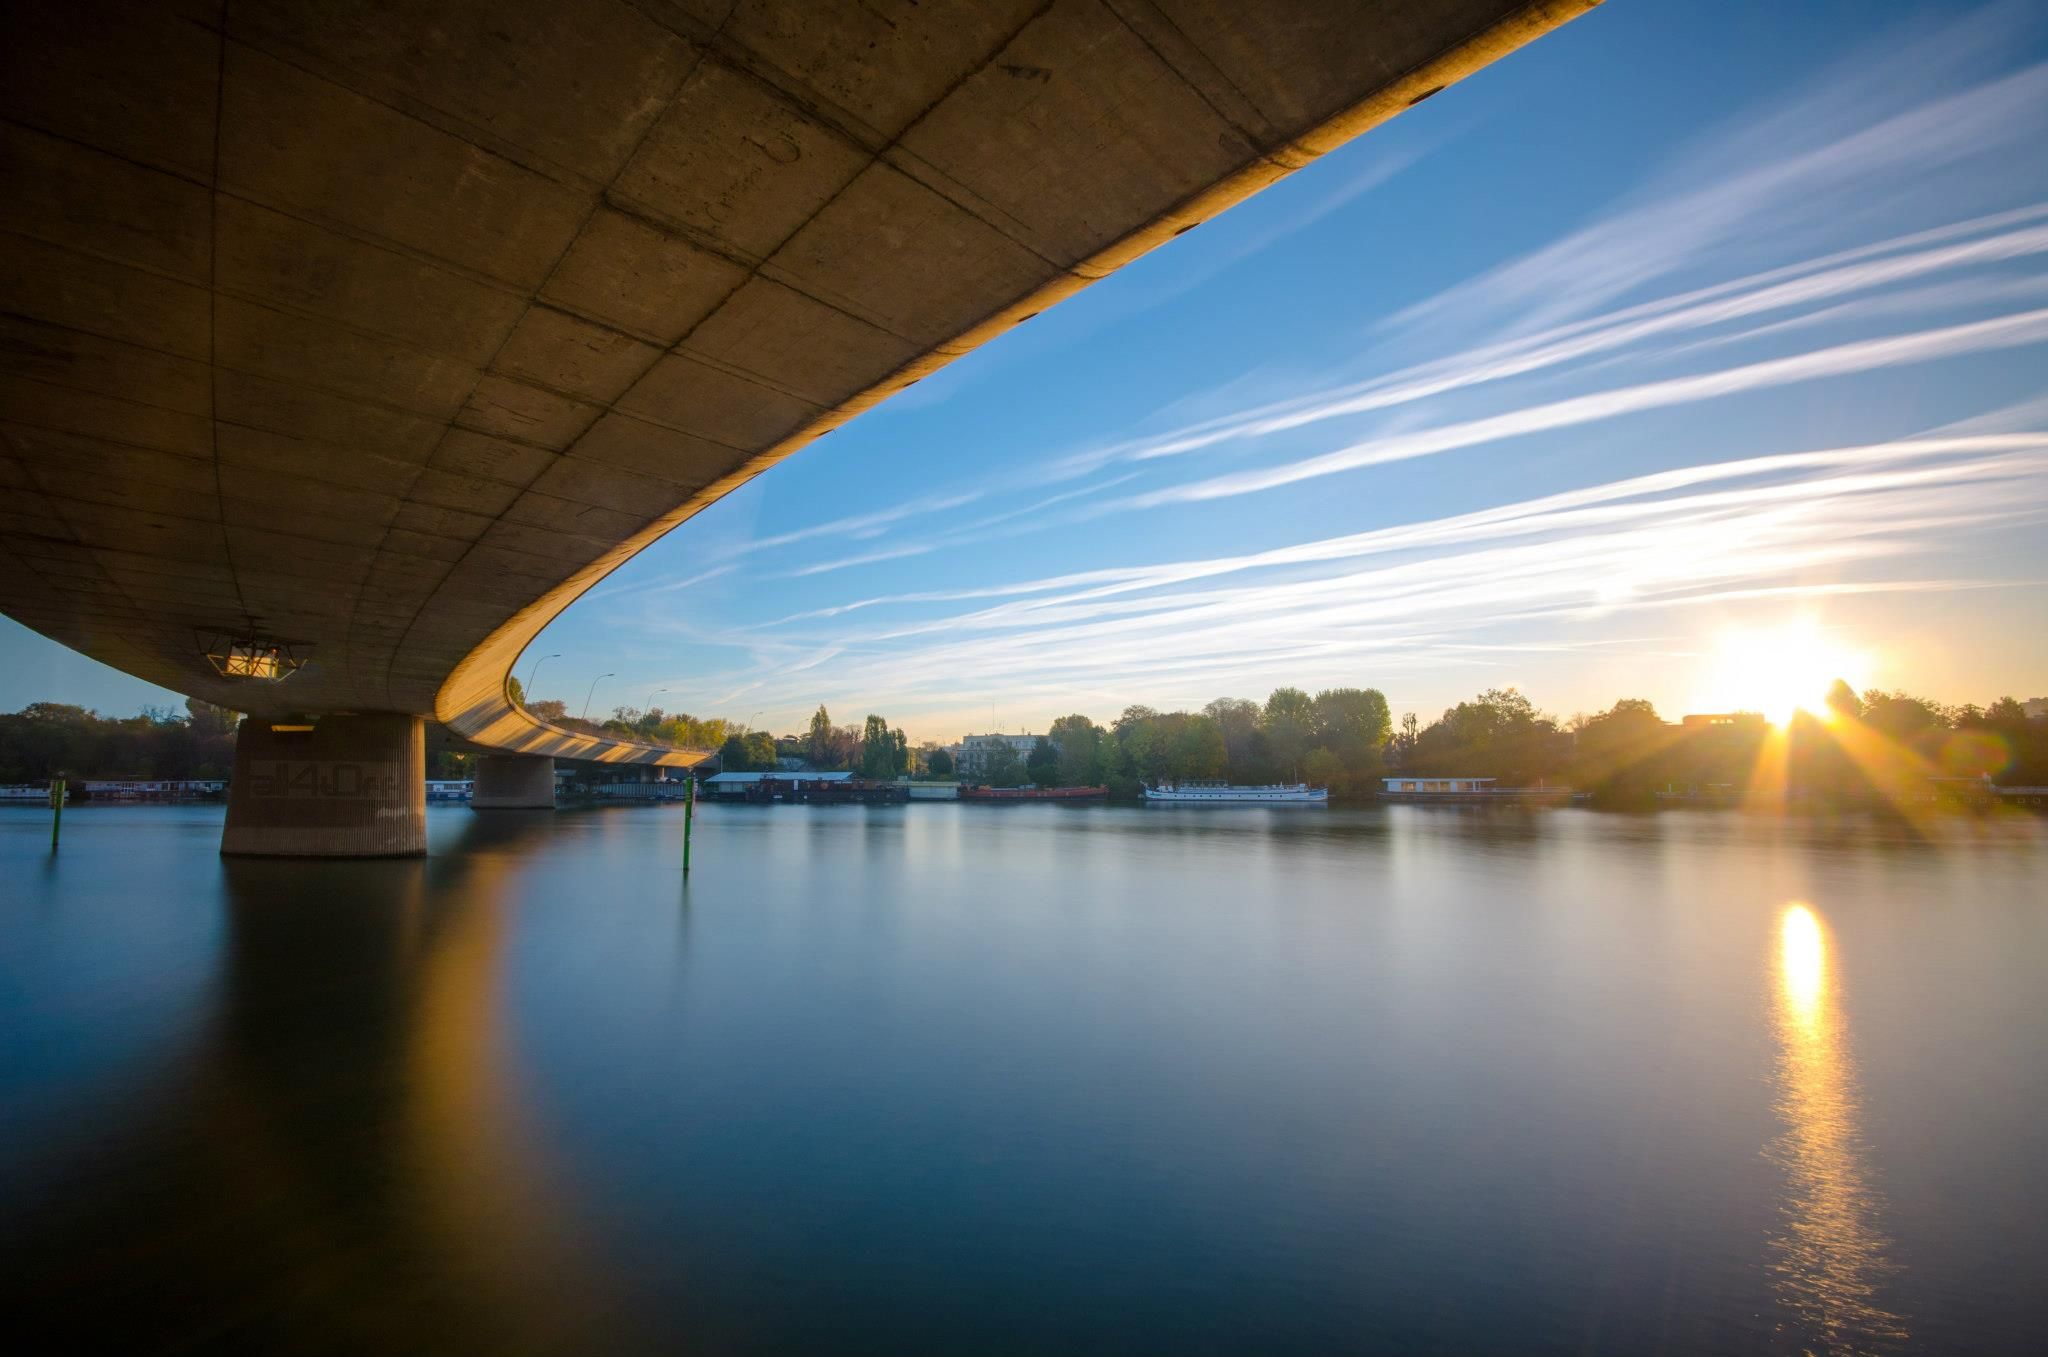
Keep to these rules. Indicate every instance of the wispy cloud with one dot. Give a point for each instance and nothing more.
(847, 562)
(1842, 147)
(2028, 327)
(669, 586)
(1889, 183)
(1973, 244)
(1785, 526)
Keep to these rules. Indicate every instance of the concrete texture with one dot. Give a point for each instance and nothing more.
(351, 787)
(513, 782)
(393, 327)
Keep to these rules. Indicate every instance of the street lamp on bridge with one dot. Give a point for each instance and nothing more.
(593, 693)
(532, 673)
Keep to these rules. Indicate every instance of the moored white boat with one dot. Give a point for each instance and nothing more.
(1209, 792)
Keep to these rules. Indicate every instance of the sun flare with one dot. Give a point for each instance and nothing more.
(1781, 671)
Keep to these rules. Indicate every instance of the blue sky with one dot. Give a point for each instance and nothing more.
(1688, 335)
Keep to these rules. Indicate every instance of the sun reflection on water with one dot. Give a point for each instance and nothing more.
(1829, 1256)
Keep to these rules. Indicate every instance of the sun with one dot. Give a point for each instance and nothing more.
(1782, 670)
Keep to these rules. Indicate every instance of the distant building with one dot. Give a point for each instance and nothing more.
(1735, 720)
(2035, 708)
(970, 756)
(1438, 785)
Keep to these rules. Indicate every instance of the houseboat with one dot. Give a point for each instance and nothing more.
(971, 793)
(1468, 791)
(1216, 792)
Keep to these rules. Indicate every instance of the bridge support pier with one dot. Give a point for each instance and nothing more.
(513, 782)
(329, 787)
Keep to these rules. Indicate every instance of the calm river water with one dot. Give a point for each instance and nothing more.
(1028, 1079)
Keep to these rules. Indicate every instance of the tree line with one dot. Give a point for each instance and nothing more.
(1336, 738)
(1345, 739)
(874, 749)
(1342, 738)
(1860, 748)
(55, 739)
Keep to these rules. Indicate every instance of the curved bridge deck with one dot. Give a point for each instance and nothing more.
(391, 329)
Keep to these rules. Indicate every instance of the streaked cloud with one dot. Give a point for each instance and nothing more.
(1853, 236)
(1784, 526)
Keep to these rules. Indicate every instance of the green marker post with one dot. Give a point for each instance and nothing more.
(56, 810)
(689, 816)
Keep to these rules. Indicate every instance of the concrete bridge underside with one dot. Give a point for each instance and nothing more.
(389, 327)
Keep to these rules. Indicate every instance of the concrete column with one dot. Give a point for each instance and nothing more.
(513, 782)
(351, 787)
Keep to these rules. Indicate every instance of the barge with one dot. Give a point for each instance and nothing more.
(970, 793)
(1215, 792)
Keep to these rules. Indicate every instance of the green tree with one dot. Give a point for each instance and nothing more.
(821, 742)
(1404, 743)
(1902, 717)
(1624, 754)
(1498, 734)
(1290, 725)
(1347, 719)
(939, 763)
(2006, 714)
(1043, 766)
(877, 749)
(1322, 768)
(448, 765)
(1196, 748)
(1141, 745)
(1080, 743)
(1242, 722)
(49, 738)
(1003, 768)
(1290, 703)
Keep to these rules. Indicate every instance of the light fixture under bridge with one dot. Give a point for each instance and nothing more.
(254, 658)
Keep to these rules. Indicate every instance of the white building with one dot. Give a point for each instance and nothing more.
(970, 756)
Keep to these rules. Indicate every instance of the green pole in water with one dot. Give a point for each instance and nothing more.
(689, 815)
(56, 810)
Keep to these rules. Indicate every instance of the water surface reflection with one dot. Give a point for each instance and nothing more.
(952, 1079)
(1829, 1256)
